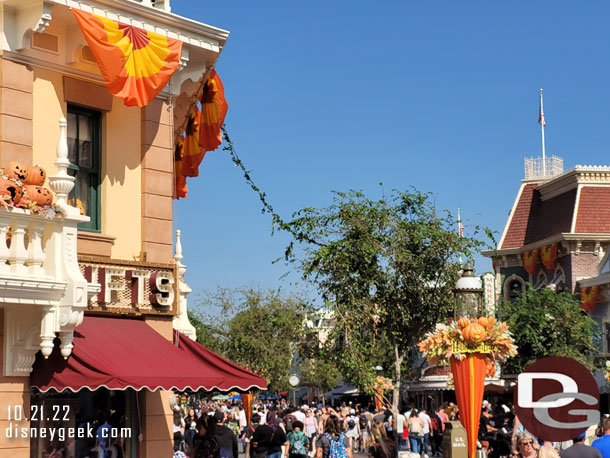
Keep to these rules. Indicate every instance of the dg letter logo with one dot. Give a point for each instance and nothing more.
(557, 399)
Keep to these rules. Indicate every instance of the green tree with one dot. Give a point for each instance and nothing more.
(546, 323)
(386, 268)
(258, 330)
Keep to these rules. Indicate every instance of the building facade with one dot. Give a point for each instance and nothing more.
(107, 249)
(557, 236)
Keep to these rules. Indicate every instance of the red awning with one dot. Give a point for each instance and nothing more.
(234, 375)
(120, 353)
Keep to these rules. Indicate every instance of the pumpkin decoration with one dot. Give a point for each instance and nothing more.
(492, 321)
(463, 322)
(41, 196)
(484, 321)
(474, 333)
(16, 170)
(11, 191)
(36, 176)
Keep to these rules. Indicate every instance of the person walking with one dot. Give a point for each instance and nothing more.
(204, 442)
(580, 450)
(298, 441)
(227, 440)
(603, 443)
(416, 428)
(333, 443)
(382, 446)
(426, 431)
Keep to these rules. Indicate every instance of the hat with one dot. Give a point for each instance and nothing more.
(352, 411)
(219, 416)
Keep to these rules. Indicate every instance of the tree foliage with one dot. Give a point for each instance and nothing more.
(257, 330)
(386, 268)
(545, 323)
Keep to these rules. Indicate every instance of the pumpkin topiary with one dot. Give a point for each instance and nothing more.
(474, 333)
(484, 321)
(463, 322)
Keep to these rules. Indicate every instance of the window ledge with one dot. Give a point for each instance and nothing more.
(92, 244)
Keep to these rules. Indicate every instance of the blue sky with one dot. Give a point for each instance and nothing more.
(440, 95)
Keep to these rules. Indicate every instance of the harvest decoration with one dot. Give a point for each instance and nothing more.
(472, 346)
(530, 258)
(36, 199)
(588, 297)
(548, 255)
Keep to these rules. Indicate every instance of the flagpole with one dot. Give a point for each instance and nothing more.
(542, 123)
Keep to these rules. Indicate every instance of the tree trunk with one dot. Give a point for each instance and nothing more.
(398, 358)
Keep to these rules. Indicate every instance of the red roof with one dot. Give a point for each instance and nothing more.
(119, 353)
(593, 211)
(515, 236)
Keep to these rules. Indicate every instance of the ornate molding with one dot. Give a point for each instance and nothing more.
(35, 18)
(181, 321)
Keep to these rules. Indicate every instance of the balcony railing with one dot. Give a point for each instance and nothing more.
(42, 290)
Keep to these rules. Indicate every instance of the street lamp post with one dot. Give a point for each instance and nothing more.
(468, 294)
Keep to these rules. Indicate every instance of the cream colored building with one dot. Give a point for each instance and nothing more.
(119, 210)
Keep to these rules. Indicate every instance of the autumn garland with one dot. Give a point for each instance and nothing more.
(466, 335)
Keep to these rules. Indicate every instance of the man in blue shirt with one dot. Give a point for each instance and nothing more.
(603, 443)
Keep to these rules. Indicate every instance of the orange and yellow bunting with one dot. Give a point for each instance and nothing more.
(213, 112)
(548, 255)
(588, 296)
(530, 258)
(193, 153)
(135, 63)
(181, 188)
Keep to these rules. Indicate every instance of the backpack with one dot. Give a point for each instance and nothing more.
(415, 428)
(288, 419)
(336, 449)
(363, 422)
(435, 423)
(298, 443)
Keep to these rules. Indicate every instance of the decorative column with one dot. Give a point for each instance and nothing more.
(181, 322)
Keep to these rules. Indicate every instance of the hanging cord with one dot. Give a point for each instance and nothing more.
(277, 221)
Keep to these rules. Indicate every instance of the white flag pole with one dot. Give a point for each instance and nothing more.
(542, 123)
(459, 223)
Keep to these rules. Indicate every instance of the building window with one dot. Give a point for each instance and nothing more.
(513, 287)
(541, 281)
(84, 148)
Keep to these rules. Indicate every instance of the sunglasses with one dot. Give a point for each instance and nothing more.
(527, 443)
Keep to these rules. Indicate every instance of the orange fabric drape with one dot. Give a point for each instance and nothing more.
(548, 255)
(193, 154)
(213, 112)
(378, 398)
(530, 258)
(588, 296)
(181, 188)
(469, 382)
(246, 400)
(135, 63)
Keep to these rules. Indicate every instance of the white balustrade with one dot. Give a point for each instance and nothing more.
(42, 289)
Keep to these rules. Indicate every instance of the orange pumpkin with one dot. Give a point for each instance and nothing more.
(463, 322)
(16, 170)
(484, 321)
(12, 189)
(42, 196)
(36, 176)
(474, 333)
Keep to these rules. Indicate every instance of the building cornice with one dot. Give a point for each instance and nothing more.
(564, 236)
(579, 175)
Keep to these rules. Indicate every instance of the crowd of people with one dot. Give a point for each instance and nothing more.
(220, 430)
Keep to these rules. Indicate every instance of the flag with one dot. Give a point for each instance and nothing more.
(213, 111)
(541, 120)
(193, 153)
(181, 188)
(135, 63)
